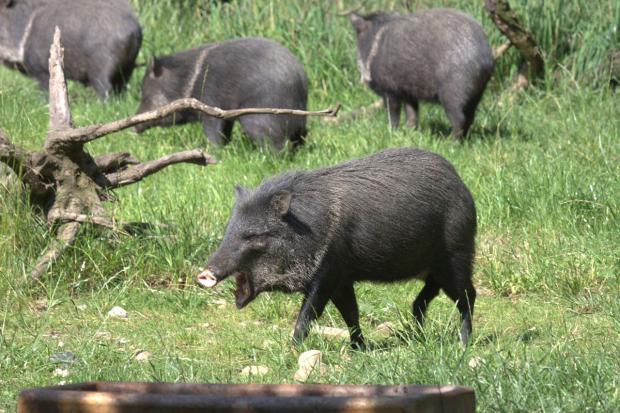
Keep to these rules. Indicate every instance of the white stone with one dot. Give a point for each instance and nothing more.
(385, 328)
(142, 356)
(117, 311)
(254, 371)
(60, 372)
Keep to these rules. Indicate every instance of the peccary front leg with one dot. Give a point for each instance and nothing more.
(426, 295)
(411, 109)
(393, 107)
(217, 130)
(345, 302)
(312, 308)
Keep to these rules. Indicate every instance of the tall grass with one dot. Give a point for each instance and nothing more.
(542, 166)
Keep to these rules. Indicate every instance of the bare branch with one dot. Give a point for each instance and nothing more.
(499, 51)
(82, 218)
(365, 110)
(510, 25)
(113, 162)
(65, 237)
(60, 113)
(140, 171)
(90, 133)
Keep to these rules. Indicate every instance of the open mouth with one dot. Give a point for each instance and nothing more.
(244, 293)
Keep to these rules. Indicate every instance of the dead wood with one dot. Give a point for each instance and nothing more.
(511, 26)
(68, 186)
(357, 113)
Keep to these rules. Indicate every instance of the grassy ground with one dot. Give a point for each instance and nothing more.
(542, 166)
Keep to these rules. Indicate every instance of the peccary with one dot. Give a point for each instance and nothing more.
(101, 40)
(398, 214)
(239, 73)
(432, 55)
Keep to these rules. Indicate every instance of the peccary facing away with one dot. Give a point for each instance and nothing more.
(240, 73)
(101, 40)
(432, 55)
(396, 215)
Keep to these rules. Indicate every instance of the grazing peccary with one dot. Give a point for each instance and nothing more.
(239, 73)
(398, 214)
(432, 55)
(101, 40)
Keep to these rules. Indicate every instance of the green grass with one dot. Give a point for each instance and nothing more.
(542, 166)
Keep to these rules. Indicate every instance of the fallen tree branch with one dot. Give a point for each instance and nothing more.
(65, 236)
(140, 171)
(90, 133)
(499, 51)
(59, 110)
(113, 162)
(366, 110)
(82, 218)
(510, 25)
(11, 156)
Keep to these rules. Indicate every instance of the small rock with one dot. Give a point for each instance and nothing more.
(141, 356)
(81, 307)
(333, 332)
(385, 328)
(309, 361)
(62, 382)
(63, 357)
(61, 344)
(254, 371)
(475, 362)
(60, 372)
(103, 334)
(117, 311)
(122, 341)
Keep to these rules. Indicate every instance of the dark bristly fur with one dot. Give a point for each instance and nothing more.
(436, 55)
(240, 73)
(398, 214)
(101, 40)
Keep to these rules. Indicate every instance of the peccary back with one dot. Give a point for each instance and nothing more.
(436, 55)
(399, 214)
(239, 73)
(101, 40)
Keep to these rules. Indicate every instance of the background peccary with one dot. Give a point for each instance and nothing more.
(240, 73)
(398, 214)
(432, 55)
(101, 40)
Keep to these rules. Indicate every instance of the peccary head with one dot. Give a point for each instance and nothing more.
(257, 246)
(366, 28)
(160, 86)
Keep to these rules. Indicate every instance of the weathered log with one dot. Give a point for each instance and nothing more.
(510, 25)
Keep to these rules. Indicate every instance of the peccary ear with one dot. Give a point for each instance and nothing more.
(240, 191)
(358, 22)
(281, 202)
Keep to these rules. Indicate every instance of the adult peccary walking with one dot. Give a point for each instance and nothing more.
(239, 73)
(432, 55)
(398, 214)
(101, 40)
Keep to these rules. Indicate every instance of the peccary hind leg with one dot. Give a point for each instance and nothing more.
(411, 109)
(393, 107)
(345, 302)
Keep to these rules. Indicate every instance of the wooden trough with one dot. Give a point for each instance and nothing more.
(118, 397)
